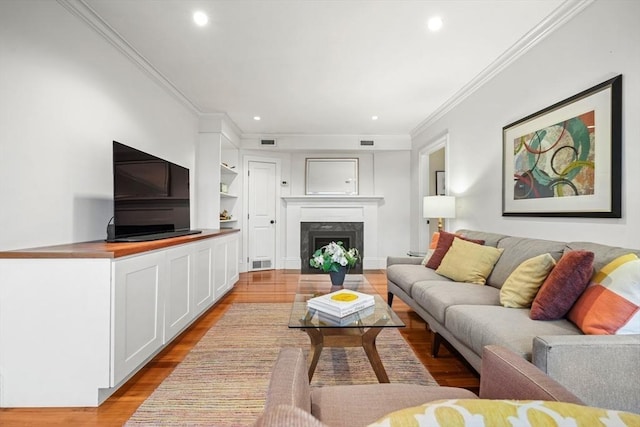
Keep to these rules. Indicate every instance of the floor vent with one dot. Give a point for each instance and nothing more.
(257, 265)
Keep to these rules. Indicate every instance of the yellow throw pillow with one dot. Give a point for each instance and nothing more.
(469, 262)
(522, 285)
(486, 412)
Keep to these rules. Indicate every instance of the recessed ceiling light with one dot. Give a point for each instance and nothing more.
(200, 18)
(435, 23)
(256, 118)
(374, 117)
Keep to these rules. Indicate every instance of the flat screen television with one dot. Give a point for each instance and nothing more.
(150, 197)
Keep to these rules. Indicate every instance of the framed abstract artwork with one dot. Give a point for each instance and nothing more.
(566, 159)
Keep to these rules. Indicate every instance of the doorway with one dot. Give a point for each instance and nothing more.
(433, 161)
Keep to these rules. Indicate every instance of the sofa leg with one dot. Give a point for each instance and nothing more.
(389, 298)
(435, 345)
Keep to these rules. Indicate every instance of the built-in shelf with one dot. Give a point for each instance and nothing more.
(227, 170)
(228, 200)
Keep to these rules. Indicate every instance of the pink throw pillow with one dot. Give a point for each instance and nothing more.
(563, 286)
(444, 243)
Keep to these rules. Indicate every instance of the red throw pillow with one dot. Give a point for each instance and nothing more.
(563, 286)
(444, 243)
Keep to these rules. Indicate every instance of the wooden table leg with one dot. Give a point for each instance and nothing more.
(369, 344)
(346, 337)
(317, 344)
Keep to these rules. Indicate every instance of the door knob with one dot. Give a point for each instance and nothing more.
(273, 221)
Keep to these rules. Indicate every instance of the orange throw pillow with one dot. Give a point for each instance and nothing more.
(434, 240)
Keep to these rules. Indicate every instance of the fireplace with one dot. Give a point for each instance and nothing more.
(314, 235)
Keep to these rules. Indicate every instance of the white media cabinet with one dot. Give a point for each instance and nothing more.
(77, 321)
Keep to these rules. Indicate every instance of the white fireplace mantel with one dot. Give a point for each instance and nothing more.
(332, 208)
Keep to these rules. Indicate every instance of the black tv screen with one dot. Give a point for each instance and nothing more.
(150, 196)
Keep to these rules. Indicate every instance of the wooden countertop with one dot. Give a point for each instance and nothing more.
(102, 249)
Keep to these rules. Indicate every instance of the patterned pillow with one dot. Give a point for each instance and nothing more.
(444, 243)
(427, 257)
(522, 285)
(611, 303)
(563, 287)
(485, 412)
(469, 262)
(432, 247)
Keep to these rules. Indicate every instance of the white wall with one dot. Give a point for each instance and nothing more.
(392, 181)
(381, 173)
(65, 94)
(599, 43)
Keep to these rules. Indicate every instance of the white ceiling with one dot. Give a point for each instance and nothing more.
(322, 67)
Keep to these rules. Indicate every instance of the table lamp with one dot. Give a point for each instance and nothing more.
(439, 207)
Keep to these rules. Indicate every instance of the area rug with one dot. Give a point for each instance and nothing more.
(223, 380)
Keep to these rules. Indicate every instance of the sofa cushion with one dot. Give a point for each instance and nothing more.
(517, 250)
(604, 254)
(480, 325)
(468, 262)
(358, 405)
(445, 241)
(490, 239)
(487, 412)
(611, 303)
(564, 285)
(437, 297)
(405, 275)
(523, 284)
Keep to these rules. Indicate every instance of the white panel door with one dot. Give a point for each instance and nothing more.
(262, 216)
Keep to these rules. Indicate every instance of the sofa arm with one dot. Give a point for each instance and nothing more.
(289, 383)
(403, 260)
(600, 369)
(506, 375)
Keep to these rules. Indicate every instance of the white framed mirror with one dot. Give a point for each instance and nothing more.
(331, 176)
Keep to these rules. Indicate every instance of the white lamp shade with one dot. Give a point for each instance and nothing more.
(439, 207)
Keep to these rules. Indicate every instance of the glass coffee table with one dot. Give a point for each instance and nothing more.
(357, 330)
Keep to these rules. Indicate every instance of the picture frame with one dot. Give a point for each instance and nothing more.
(565, 160)
(440, 184)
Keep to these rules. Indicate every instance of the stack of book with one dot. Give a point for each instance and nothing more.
(341, 303)
(353, 318)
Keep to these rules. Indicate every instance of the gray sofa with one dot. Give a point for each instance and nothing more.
(600, 370)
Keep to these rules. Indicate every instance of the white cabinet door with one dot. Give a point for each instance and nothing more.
(232, 260)
(203, 275)
(178, 301)
(220, 267)
(137, 311)
(226, 263)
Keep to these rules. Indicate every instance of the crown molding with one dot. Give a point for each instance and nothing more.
(563, 13)
(83, 11)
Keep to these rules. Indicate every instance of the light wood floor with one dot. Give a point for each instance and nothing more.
(268, 286)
